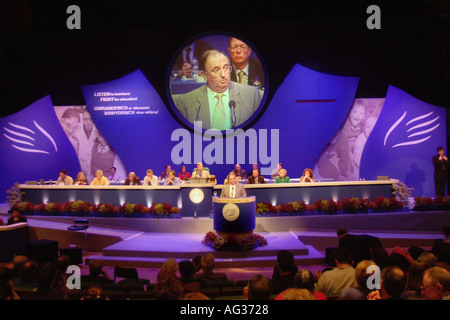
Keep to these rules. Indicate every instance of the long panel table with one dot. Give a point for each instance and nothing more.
(197, 198)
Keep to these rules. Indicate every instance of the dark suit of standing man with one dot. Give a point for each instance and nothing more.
(195, 106)
(440, 162)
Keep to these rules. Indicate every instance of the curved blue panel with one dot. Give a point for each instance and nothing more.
(404, 140)
(34, 146)
(308, 109)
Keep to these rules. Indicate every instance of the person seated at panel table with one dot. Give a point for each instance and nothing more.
(184, 174)
(165, 173)
(233, 189)
(100, 179)
(308, 176)
(200, 173)
(150, 179)
(64, 179)
(172, 179)
(256, 178)
(114, 177)
(240, 173)
(276, 172)
(81, 179)
(132, 180)
(282, 178)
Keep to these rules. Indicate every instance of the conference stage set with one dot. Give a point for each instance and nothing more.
(358, 149)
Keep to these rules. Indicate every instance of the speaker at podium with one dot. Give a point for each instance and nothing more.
(234, 215)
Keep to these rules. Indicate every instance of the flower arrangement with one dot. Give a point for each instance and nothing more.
(231, 242)
(160, 208)
(81, 206)
(438, 203)
(264, 207)
(328, 206)
(14, 196)
(402, 192)
(106, 208)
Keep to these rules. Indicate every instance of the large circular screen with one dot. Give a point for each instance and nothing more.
(217, 82)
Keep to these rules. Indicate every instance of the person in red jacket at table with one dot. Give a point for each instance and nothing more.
(184, 174)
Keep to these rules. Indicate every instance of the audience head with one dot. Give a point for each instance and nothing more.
(304, 279)
(435, 283)
(169, 267)
(298, 294)
(186, 269)
(343, 256)
(415, 252)
(341, 232)
(380, 256)
(361, 274)
(95, 267)
(62, 263)
(415, 274)
(197, 262)
(196, 295)
(428, 258)
(168, 288)
(398, 260)
(208, 262)
(18, 261)
(48, 275)
(259, 287)
(29, 271)
(393, 282)
(443, 253)
(285, 261)
(446, 232)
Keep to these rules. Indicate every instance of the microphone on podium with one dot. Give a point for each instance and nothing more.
(232, 105)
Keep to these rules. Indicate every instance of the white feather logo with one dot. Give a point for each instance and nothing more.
(22, 137)
(425, 129)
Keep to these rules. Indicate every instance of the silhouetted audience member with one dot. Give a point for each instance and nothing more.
(304, 279)
(207, 274)
(352, 242)
(196, 296)
(168, 287)
(187, 272)
(62, 263)
(169, 267)
(284, 272)
(197, 261)
(428, 258)
(393, 283)
(361, 291)
(380, 256)
(18, 262)
(50, 286)
(443, 256)
(414, 283)
(259, 287)
(415, 252)
(438, 242)
(96, 274)
(298, 294)
(340, 277)
(28, 275)
(6, 292)
(399, 260)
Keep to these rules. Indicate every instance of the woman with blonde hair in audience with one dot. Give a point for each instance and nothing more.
(362, 274)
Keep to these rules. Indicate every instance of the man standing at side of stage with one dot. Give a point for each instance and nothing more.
(440, 162)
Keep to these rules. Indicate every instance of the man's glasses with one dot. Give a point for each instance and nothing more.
(218, 71)
(241, 48)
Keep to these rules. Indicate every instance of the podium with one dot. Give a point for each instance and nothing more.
(234, 215)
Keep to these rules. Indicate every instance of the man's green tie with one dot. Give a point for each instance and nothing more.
(219, 114)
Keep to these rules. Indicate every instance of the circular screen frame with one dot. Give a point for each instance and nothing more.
(190, 109)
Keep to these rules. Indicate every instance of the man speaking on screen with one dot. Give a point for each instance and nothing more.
(220, 104)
